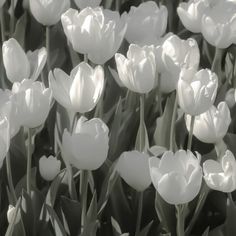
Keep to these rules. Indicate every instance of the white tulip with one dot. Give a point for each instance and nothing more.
(33, 102)
(133, 167)
(81, 90)
(197, 91)
(87, 147)
(48, 12)
(49, 167)
(218, 24)
(20, 66)
(212, 125)
(87, 3)
(146, 23)
(172, 56)
(221, 175)
(177, 177)
(191, 12)
(137, 72)
(96, 32)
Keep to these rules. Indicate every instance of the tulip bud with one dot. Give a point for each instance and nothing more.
(138, 71)
(197, 91)
(20, 66)
(48, 12)
(96, 32)
(191, 12)
(4, 138)
(172, 56)
(81, 90)
(146, 23)
(130, 165)
(212, 125)
(230, 97)
(218, 24)
(87, 147)
(33, 102)
(221, 175)
(87, 3)
(49, 167)
(11, 214)
(177, 176)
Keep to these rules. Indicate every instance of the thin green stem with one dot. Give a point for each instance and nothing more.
(86, 58)
(84, 192)
(9, 178)
(159, 94)
(2, 19)
(190, 136)
(172, 126)
(139, 213)
(12, 18)
(29, 160)
(48, 47)
(180, 220)
(141, 135)
(217, 59)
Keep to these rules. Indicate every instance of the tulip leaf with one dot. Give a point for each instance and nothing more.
(92, 211)
(20, 29)
(142, 143)
(56, 223)
(145, 230)
(162, 131)
(206, 232)
(230, 227)
(116, 227)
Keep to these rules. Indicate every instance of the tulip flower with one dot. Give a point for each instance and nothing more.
(33, 102)
(130, 165)
(20, 66)
(218, 24)
(230, 97)
(212, 125)
(191, 12)
(4, 138)
(81, 4)
(9, 109)
(80, 91)
(48, 12)
(95, 32)
(146, 23)
(49, 167)
(177, 176)
(197, 91)
(87, 147)
(221, 175)
(10, 214)
(172, 56)
(138, 71)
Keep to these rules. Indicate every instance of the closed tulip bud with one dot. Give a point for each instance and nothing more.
(11, 214)
(133, 167)
(33, 102)
(172, 56)
(146, 23)
(9, 109)
(4, 138)
(230, 97)
(221, 175)
(48, 12)
(49, 167)
(87, 147)
(20, 66)
(81, 90)
(137, 72)
(177, 176)
(87, 3)
(96, 32)
(218, 24)
(197, 91)
(191, 12)
(212, 125)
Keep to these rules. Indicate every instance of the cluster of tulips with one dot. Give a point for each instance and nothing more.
(135, 107)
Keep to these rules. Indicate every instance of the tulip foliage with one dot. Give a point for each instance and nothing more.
(118, 118)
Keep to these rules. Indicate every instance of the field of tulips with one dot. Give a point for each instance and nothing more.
(118, 118)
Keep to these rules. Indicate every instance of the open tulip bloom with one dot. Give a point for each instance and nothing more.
(133, 117)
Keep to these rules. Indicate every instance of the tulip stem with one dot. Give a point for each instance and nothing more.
(159, 94)
(2, 24)
(9, 178)
(86, 58)
(83, 196)
(29, 159)
(172, 126)
(180, 220)
(48, 47)
(139, 213)
(190, 136)
(141, 134)
(12, 18)
(230, 197)
(217, 59)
